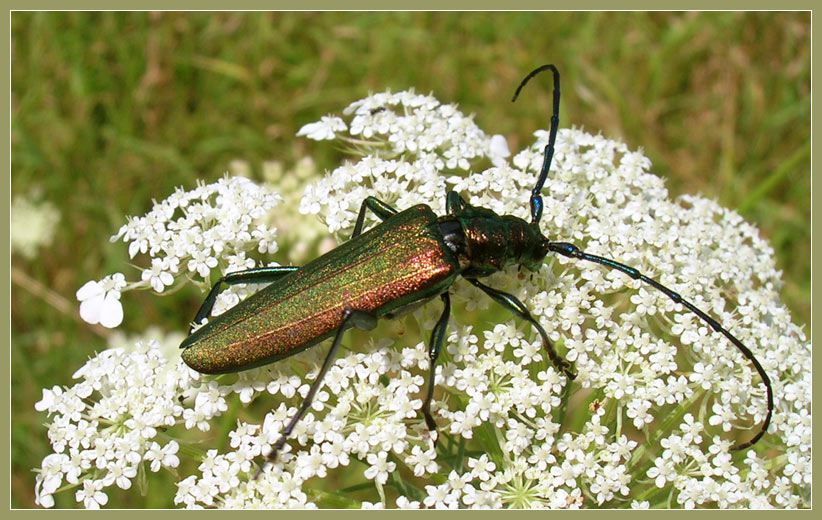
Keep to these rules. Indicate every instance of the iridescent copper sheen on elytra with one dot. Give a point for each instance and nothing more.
(391, 266)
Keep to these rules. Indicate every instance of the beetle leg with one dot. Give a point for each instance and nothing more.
(510, 302)
(454, 203)
(258, 275)
(363, 320)
(437, 341)
(572, 251)
(377, 207)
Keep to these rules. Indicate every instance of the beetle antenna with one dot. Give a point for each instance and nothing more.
(572, 251)
(536, 193)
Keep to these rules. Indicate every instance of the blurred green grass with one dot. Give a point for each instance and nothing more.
(112, 110)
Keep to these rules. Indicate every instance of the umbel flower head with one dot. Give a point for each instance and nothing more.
(33, 224)
(658, 401)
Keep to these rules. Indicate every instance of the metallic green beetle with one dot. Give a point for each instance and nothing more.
(411, 257)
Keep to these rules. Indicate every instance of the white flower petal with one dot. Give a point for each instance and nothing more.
(111, 313)
(91, 308)
(498, 149)
(89, 290)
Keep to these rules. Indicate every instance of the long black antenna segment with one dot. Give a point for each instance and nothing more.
(572, 251)
(536, 193)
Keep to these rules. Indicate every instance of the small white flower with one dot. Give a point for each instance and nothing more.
(51, 399)
(379, 467)
(90, 495)
(404, 503)
(163, 455)
(662, 471)
(638, 410)
(160, 275)
(311, 464)
(498, 150)
(100, 301)
(422, 461)
(324, 129)
(119, 472)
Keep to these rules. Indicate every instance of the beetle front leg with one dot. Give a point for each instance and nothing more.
(351, 318)
(454, 203)
(437, 341)
(510, 302)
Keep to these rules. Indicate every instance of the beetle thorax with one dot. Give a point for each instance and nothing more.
(488, 243)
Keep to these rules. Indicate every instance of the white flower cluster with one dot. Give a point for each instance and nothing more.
(410, 142)
(601, 196)
(659, 397)
(107, 429)
(360, 417)
(355, 416)
(32, 225)
(300, 239)
(213, 226)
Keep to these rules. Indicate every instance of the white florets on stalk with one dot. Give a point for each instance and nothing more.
(212, 227)
(107, 428)
(657, 389)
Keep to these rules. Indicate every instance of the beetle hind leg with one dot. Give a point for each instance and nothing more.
(377, 207)
(434, 348)
(363, 320)
(258, 275)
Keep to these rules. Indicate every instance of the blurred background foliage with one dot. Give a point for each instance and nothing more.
(112, 110)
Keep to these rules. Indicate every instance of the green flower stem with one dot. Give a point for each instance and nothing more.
(675, 416)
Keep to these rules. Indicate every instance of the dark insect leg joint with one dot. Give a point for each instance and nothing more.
(377, 207)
